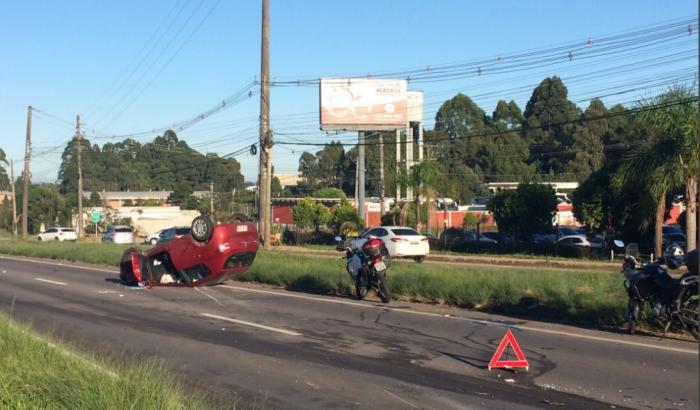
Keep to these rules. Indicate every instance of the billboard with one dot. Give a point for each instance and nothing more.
(363, 104)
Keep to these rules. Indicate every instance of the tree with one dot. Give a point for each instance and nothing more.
(346, 218)
(182, 196)
(95, 199)
(276, 187)
(588, 142)
(329, 193)
(548, 114)
(671, 160)
(4, 180)
(309, 214)
(524, 211)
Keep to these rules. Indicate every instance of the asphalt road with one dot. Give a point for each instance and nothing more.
(264, 348)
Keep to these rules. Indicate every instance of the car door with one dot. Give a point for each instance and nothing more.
(49, 234)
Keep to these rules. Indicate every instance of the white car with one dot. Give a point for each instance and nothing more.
(153, 238)
(58, 234)
(119, 234)
(400, 241)
(575, 240)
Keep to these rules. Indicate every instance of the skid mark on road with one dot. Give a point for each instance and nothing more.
(51, 281)
(413, 312)
(251, 324)
(470, 320)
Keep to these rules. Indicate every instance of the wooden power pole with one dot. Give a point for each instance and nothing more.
(80, 179)
(265, 134)
(25, 174)
(382, 209)
(14, 198)
(211, 199)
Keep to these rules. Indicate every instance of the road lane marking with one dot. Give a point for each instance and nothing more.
(408, 403)
(259, 326)
(56, 263)
(413, 312)
(471, 320)
(209, 296)
(51, 281)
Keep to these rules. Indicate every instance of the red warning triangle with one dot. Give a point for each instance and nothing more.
(496, 361)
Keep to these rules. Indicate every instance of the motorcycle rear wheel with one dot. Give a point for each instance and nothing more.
(689, 309)
(633, 307)
(383, 288)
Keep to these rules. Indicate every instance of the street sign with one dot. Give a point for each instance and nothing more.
(96, 216)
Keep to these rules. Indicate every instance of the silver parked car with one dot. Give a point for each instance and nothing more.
(58, 234)
(119, 234)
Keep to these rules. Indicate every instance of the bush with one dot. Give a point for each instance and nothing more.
(309, 214)
(345, 214)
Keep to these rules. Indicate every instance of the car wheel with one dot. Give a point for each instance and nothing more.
(202, 228)
(419, 259)
(38, 238)
(56, 239)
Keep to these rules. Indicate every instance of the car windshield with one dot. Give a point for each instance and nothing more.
(405, 232)
(122, 230)
(68, 230)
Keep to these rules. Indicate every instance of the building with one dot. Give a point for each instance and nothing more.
(117, 199)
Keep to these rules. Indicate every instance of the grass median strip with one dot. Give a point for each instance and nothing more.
(590, 297)
(37, 372)
(587, 297)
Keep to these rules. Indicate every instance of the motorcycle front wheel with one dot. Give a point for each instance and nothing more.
(383, 288)
(360, 287)
(633, 308)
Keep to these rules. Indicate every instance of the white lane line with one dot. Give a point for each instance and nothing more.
(413, 312)
(251, 324)
(51, 281)
(408, 403)
(209, 296)
(471, 320)
(57, 263)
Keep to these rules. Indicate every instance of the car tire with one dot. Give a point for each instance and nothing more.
(56, 239)
(419, 259)
(38, 238)
(202, 228)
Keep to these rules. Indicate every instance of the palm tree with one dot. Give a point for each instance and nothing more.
(671, 161)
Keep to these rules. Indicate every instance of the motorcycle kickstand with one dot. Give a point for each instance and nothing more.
(668, 326)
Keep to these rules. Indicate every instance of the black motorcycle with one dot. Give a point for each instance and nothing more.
(367, 267)
(671, 300)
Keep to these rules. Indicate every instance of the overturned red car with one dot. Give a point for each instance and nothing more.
(209, 255)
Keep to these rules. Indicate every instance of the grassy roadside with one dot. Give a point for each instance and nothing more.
(589, 297)
(586, 297)
(39, 373)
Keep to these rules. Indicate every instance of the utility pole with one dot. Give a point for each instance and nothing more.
(398, 165)
(14, 199)
(382, 209)
(211, 199)
(25, 174)
(361, 178)
(80, 179)
(265, 135)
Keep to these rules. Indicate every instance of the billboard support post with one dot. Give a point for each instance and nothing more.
(409, 158)
(361, 178)
(398, 164)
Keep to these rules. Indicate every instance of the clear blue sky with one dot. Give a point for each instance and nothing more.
(130, 66)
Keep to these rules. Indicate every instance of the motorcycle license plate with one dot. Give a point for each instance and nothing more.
(380, 266)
